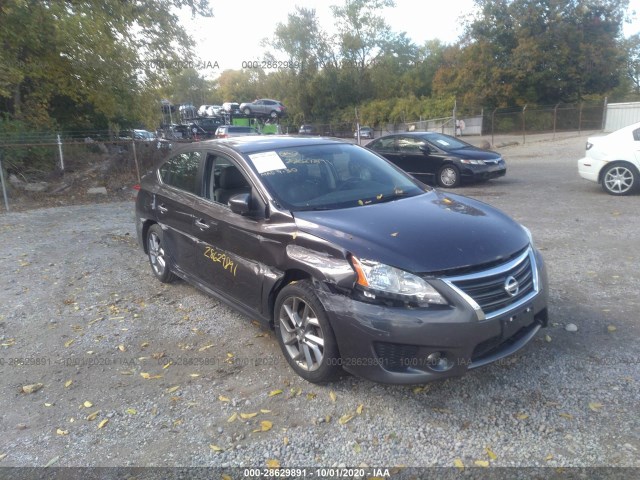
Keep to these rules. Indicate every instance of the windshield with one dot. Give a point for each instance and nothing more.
(323, 177)
(445, 142)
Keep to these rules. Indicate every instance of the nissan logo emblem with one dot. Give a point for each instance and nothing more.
(511, 286)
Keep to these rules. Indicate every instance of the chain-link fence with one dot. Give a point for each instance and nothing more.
(78, 165)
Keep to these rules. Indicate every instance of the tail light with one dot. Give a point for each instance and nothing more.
(589, 145)
(136, 187)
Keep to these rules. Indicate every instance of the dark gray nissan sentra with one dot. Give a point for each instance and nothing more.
(355, 264)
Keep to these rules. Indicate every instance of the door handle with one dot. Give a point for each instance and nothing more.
(162, 209)
(200, 224)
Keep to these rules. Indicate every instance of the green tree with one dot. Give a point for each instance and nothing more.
(101, 56)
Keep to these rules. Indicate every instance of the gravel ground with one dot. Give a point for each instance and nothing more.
(137, 373)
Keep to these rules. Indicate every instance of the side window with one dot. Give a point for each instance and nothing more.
(181, 171)
(636, 135)
(224, 179)
(409, 145)
(385, 144)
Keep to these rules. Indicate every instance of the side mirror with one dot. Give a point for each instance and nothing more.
(240, 203)
(425, 149)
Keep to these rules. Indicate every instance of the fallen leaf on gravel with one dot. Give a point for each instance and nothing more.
(441, 410)
(345, 418)
(311, 396)
(327, 419)
(357, 448)
(222, 398)
(595, 406)
(48, 404)
(68, 343)
(265, 425)
(52, 461)
(215, 448)
(167, 365)
(144, 345)
(548, 457)
(202, 349)
(103, 423)
(2, 455)
(226, 477)
(9, 343)
(492, 455)
(34, 387)
(148, 376)
(481, 463)
(417, 390)
(547, 338)
(333, 396)
(458, 464)
(173, 389)
(522, 416)
(248, 415)
(568, 416)
(87, 404)
(232, 418)
(126, 372)
(122, 348)
(611, 328)
(93, 416)
(285, 440)
(359, 409)
(62, 432)
(131, 411)
(194, 375)
(273, 463)
(273, 393)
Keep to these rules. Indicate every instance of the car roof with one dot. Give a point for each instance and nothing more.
(271, 142)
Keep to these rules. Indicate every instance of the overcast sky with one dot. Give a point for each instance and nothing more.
(234, 33)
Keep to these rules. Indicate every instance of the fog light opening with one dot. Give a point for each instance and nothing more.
(438, 362)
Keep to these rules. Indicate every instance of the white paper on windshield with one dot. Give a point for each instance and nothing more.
(267, 162)
(443, 142)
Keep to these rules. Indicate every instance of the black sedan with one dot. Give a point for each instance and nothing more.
(355, 264)
(438, 158)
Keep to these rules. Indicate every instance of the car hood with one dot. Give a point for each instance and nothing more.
(474, 154)
(431, 232)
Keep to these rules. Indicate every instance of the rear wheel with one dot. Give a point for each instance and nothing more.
(619, 179)
(449, 176)
(157, 255)
(304, 333)
(273, 114)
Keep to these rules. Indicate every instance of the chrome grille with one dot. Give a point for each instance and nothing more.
(486, 290)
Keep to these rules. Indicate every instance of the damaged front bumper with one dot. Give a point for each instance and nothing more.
(402, 345)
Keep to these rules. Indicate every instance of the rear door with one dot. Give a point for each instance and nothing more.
(173, 203)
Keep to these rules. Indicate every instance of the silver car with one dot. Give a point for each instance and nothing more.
(264, 106)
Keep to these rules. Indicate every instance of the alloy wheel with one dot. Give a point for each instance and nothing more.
(301, 333)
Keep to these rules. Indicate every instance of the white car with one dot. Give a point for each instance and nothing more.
(614, 161)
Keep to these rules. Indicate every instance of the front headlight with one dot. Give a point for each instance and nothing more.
(378, 278)
(472, 162)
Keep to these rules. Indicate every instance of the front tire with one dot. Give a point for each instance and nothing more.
(247, 111)
(619, 179)
(157, 255)
(304, 333)
(449, 176)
